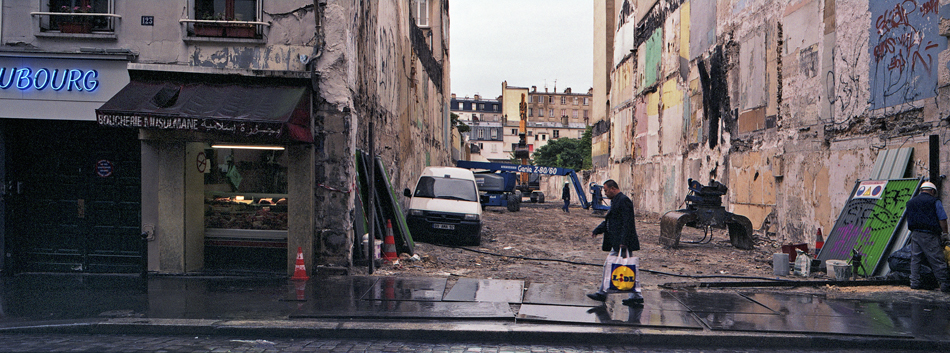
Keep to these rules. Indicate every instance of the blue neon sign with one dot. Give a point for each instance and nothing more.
(70, 80)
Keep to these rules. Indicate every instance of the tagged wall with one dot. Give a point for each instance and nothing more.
(786, 102)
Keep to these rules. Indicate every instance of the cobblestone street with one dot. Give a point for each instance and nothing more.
(140, 343)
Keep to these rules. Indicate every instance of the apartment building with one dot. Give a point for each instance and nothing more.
(200, 135)
(550, 115)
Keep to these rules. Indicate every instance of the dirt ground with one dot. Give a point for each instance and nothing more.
(541, 243)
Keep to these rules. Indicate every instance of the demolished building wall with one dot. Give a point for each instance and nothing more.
(377, 66)
(788, 103)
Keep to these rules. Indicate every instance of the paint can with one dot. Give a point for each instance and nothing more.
(840, 269)
(780, 264)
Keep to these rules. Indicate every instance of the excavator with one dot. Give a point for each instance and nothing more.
(704, 210)
(528, 183)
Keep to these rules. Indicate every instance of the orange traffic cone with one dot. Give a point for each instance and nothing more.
(300, 270)
(300, 287)
(389, 243)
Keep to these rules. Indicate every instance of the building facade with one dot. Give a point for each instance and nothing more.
(483, 116)
(200, 135)
(788, 103)
(551, 115)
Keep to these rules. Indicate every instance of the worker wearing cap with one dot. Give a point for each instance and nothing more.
(566, 196)
(927, 221)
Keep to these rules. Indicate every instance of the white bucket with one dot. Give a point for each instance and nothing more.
(780, 264)
(838, 269)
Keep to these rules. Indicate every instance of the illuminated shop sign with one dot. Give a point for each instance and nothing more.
(25, 78)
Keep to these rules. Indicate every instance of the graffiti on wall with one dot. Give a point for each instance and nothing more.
(904, 45)
(868, 222)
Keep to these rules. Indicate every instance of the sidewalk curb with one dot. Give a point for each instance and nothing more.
(484, 331)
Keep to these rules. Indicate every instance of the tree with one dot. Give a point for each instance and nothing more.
(566, 153)
(458, 124)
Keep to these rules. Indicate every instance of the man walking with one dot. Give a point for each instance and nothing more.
(620, 235)
(927, 221)
(566, 196)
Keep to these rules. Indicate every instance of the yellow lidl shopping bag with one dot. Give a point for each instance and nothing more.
(622, 274)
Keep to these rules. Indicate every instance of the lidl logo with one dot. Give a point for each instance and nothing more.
(623, 278)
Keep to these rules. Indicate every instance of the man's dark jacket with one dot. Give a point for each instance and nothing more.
(566, 193)
(619, 227)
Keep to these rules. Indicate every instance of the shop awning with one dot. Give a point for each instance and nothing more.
(266, 111)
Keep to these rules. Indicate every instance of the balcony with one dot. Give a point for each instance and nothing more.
(224, 31)
(75, 25)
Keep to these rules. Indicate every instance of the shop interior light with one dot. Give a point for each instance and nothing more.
(249, 147)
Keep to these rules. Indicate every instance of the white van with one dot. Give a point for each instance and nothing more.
(445, 207)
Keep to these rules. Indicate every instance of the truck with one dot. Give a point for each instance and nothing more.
(497, 185)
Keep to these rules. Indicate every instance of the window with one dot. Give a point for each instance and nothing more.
(530, 112)
(557, 133)
(585, 113)
(575, 114)
(230, 10)
(550, 99)
(481, 134)
(544, 137)
(551, 112)
(78, 23)
(206, 11)
(481, 106)
(541, 112)
(563, 100)
(536, 137)
(494, 134)
(420, 12)
(586, 102)
(563, 112)
(530, 132)
(514, 131)
(494, 107)
(575, 100)
(255, 200)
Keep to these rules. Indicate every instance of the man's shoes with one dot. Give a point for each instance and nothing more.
(637, 301)
(598, 296)
(914, 286)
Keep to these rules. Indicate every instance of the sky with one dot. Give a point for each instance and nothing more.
(525, 42)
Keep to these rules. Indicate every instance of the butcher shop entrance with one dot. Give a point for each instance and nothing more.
(245, 192)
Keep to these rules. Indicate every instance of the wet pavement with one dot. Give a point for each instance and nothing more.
(428, 308)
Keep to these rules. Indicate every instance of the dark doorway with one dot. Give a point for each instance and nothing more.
(73, 199)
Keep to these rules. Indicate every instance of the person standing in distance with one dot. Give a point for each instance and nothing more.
(927, 221)
(620, 235)
(566, 196)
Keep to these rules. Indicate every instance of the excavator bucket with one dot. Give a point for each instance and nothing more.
(671, 226)
(740, 231)
(704, 211)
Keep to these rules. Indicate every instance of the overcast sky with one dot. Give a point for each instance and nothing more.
(525, 42)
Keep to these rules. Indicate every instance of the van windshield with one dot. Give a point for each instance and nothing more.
(446, 188)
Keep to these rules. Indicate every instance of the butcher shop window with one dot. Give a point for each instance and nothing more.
(246, 192)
